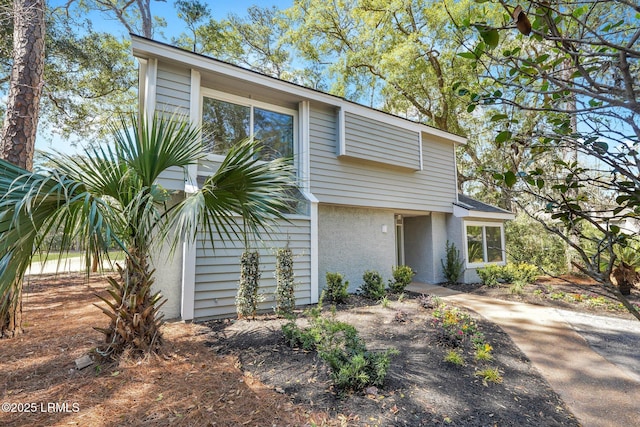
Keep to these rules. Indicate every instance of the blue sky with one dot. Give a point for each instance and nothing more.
(166, 10)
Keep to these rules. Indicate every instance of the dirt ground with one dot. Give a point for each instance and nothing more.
(188, 385)
(242, 373)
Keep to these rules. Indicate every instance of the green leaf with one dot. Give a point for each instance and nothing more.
(471, 107)
(468, 55)
(510, 178)
(490, 37)
(498, 117)
(503, 136)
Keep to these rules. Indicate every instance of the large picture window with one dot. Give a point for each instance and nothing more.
(226, 122)
(485, 243)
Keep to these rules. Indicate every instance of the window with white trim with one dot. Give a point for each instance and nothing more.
(484, 243)
(227, 120)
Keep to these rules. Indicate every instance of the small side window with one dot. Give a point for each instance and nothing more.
(485, 243)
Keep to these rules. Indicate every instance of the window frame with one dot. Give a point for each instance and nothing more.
(252, 104)
(483, 225)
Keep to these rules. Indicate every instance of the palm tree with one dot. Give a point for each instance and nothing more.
(110, 197)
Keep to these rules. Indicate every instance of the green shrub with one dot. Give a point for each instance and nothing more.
(529, 242)
(527, 273)
(522, 273)
(336, 290)
(285, 282)
(452, 266)
(373, 286)
(483, 352)
(356, 368)
(353, 367)
(247, 298)
(490, 274)
(402, 276)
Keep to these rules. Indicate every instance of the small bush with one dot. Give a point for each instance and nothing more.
(247, 299)
(453, 326)
(357, 369)
(285, 282)
(490, 275)
(373, 286)
(517, 288)
(336, 290)
(353, 367)
(524, 273)
(384, 302)
(452, 266)
(402, 276)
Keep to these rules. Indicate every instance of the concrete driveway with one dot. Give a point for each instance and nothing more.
(615, 339)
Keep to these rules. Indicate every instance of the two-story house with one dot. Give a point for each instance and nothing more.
(375, 190)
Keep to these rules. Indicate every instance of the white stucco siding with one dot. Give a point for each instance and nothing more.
(339, 180)
(368, 139)
(218, 271)
(351, 241)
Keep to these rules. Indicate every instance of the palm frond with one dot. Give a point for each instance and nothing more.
(242, 197)
(34, 204)
(150, 147)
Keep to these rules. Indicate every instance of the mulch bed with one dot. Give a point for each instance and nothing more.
(421, 388)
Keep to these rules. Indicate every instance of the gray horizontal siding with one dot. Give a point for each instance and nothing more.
(173, 89)
(173, 93)
(368, 139)
(218, 269)
(343, 181)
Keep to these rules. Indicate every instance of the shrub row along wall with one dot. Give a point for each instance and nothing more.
(218, 271)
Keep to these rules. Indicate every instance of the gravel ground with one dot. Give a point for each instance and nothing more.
(614, 339)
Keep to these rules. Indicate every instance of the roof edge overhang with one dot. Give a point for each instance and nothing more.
(461, 212)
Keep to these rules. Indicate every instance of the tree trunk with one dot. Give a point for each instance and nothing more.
(23, 105)
(18, 136)
(11, 320)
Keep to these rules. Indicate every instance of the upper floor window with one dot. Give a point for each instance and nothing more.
(485, 243)
(227, 120)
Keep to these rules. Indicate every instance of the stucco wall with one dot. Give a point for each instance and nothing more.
(168, 273)
(168, 280)
(425, 246)
(351, 241)
(417, 249)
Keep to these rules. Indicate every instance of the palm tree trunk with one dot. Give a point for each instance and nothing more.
(11, 321)
(135, 323)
